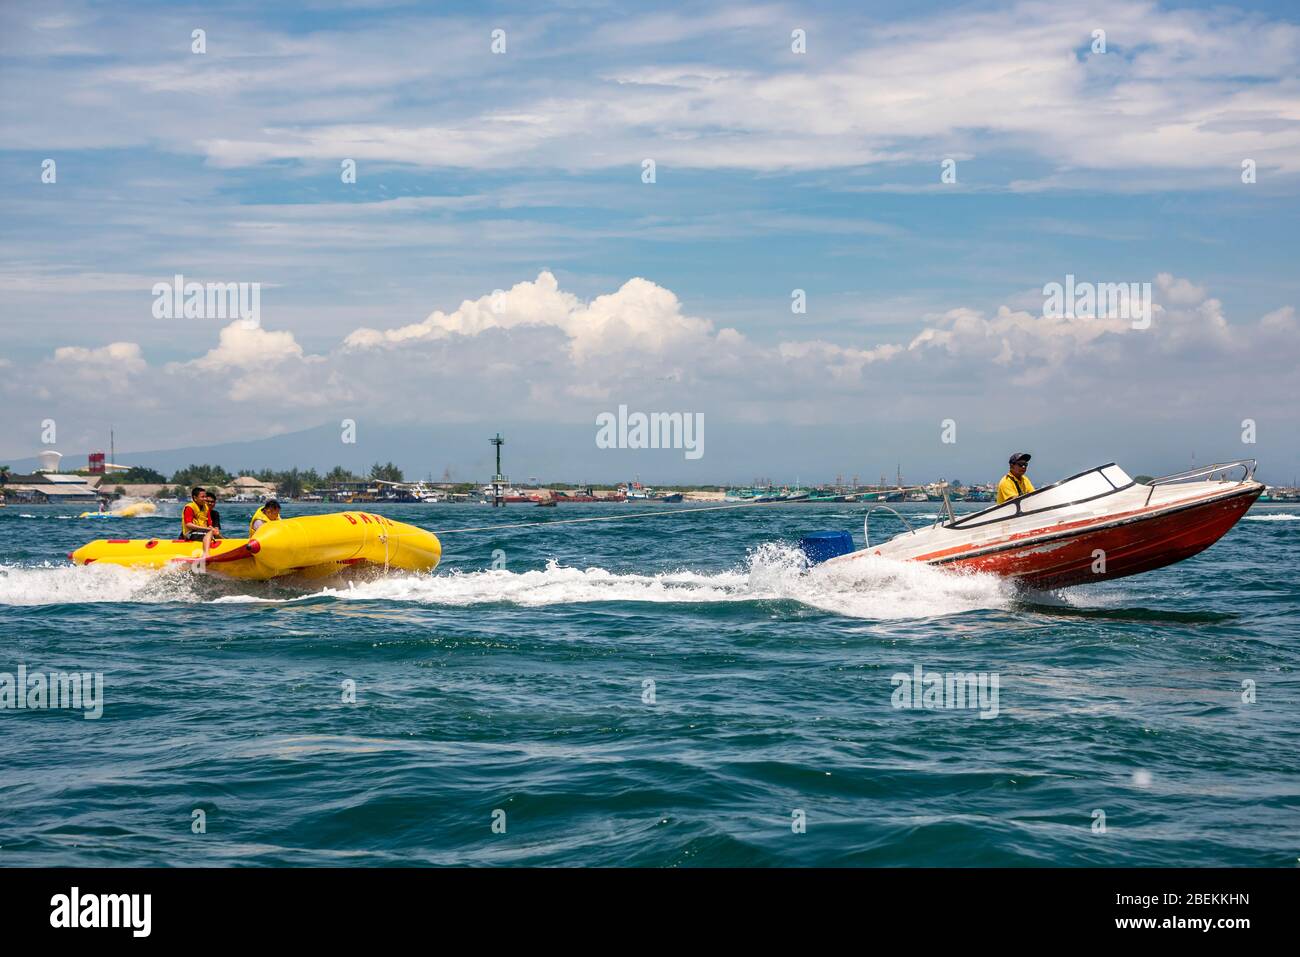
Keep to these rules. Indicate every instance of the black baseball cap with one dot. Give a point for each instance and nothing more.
(1019, 457)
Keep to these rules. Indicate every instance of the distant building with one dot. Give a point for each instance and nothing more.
(107, 485)
(50, 488)
(360, 490)
(248, 489)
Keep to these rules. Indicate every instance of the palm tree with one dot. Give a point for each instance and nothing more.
(387, 472)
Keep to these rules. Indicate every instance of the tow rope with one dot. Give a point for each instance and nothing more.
(606, 518)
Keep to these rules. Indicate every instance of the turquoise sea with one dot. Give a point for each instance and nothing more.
(664, 692)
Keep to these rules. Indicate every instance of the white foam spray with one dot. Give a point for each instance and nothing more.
(871, 588)
(69, 584)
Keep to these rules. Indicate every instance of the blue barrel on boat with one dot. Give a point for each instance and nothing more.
(820, 546)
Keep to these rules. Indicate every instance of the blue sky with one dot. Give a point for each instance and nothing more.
(775, 171)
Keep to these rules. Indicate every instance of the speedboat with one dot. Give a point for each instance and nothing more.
(1090, 527)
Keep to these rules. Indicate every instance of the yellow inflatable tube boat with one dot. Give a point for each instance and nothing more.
(313, 545)
(138, 510)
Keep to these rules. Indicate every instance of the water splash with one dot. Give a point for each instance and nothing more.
(50, 584)
(872, 587)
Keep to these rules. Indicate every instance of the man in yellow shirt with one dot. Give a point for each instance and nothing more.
(1015, 483)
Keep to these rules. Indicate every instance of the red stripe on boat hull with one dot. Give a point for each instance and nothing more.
(1130, 547)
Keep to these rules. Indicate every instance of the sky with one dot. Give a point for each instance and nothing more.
(501, 262)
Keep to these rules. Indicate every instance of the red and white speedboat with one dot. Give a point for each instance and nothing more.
(1090, 527)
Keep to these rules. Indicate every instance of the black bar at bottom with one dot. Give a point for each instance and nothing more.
(333, 906)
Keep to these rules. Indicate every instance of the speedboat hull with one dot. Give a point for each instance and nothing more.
(1096, 526)
(1128, 547)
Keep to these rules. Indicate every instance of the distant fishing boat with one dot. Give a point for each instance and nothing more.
(586, 495)
(412, 491)
(822, 496)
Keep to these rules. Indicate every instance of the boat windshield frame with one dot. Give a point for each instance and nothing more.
(969, 521)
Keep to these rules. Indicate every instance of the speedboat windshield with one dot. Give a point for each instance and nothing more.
(1086, 486)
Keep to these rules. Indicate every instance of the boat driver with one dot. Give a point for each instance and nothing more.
(1015, 483)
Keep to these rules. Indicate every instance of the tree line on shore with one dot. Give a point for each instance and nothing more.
(288, 482)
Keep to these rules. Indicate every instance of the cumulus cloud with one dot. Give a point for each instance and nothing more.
(243, 345)
(1012, 338)
(1279, 321)
(121, 358)
(539, 351)
(641, 317)
(1179, 292)
(77, 375)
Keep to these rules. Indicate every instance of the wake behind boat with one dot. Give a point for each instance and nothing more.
(1090, 527)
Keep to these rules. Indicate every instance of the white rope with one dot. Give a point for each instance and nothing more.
(608, 518)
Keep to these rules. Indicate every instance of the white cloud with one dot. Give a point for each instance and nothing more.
(537, 351)
(640, 317)
(117, 358)
(1179, 292)
(246, 346)
(1280, 321)
(78, 375)
(38, 278)
(1180, 91)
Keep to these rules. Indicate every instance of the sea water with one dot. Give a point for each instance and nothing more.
(680, 690)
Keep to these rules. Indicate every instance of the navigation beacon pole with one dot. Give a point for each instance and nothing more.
(498, 480)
